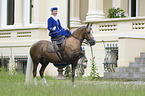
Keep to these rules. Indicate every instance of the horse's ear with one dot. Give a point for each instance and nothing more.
(89, 26)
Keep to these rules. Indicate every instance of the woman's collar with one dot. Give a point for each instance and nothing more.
(54, 17)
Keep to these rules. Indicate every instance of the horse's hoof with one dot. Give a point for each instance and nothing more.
(35, 84)
(47, 84)
(75, 86)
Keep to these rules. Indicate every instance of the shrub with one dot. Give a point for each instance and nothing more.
(67, 72)
(94, 70)
(116, 13)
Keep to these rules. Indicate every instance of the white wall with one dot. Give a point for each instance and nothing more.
(107, 4)
(141, 7)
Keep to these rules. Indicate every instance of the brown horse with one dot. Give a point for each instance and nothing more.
(40, 52)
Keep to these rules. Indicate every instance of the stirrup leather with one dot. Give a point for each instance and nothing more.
(61, 52)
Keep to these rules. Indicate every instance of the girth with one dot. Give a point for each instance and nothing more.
(56, 48)
(60, 51)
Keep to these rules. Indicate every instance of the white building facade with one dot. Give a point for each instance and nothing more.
(24, 22)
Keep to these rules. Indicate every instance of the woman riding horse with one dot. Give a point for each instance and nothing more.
(54, 25)
(56, 31)
(41, 52)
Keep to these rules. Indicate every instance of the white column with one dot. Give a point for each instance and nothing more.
(0, 12)
(95, 10)
(137, 9)
(74, 13)
(129, 8)
(12, 63)
(26, 12)
(35, 18)
(116, 3)
(3, 8)
(18, 13)
(112, 3)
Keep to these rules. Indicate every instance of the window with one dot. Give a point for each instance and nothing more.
(20, 62)
(31, 10)
(10, 12)
(133, 8)
(4, 60)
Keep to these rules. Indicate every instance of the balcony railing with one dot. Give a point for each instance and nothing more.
(126, 33)
(118, 25)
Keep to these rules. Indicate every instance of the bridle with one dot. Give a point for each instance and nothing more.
(85, 32)
(74, 36)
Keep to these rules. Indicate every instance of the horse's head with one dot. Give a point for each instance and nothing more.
(88, 35)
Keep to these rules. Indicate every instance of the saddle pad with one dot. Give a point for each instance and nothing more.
(59, 40)
(50, 48)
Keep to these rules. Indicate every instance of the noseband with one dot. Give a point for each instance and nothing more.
(85, 32)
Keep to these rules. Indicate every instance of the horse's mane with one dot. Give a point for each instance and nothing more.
(79, 29)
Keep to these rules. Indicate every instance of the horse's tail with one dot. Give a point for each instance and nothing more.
(29, 73)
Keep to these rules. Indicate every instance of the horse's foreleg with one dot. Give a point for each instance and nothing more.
(42, 72)
(35, 80)
(73, 73)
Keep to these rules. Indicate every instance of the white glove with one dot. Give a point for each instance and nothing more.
(54, 28)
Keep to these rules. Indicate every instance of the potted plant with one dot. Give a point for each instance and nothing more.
(116, 13)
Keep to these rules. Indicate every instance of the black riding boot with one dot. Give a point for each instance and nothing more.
(61, 52)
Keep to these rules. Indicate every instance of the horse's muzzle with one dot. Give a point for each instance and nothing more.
(92, 42)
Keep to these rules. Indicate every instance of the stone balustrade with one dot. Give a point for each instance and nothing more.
(127, 33)
(22, 36)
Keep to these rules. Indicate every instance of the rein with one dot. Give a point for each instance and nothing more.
(76, 37)
(73, 35)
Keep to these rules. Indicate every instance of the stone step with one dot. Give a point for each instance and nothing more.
(135, 71)
(133, 64)
(124, 75)
(130, 69)
(138, 79)
(142, 55)
(120, 77)
(140, 60)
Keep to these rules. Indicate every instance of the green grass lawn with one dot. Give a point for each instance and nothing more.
(14, 85)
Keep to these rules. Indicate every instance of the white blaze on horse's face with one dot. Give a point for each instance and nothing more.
(88, 32)
(89, 36)
(89, 27)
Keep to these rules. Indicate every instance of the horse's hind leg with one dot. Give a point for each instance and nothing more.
(42, 72)
(35, 71)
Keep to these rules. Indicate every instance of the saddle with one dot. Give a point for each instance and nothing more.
(53, 44)
(58, 45)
